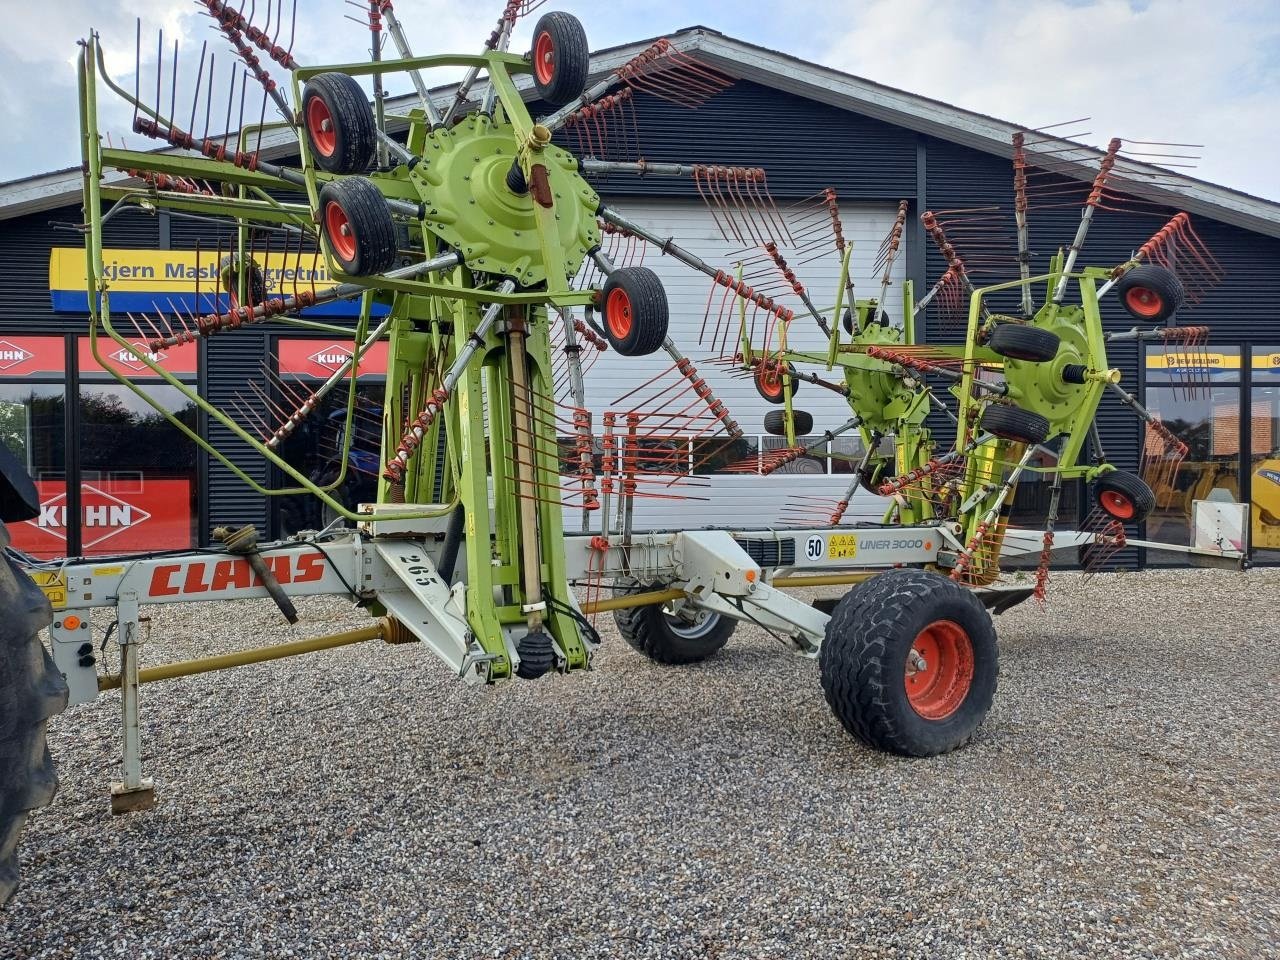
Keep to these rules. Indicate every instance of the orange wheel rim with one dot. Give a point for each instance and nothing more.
(617, 313)
(1117, 504)
(338, 228)
(769, 379)
(320, 126)
(544, 58)
(939, 670)
(1144, 301)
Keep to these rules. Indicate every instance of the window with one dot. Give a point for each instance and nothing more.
(32, 426)
(1197, 396)
(1264, 454)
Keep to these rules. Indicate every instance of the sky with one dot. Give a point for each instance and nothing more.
(1186, 71)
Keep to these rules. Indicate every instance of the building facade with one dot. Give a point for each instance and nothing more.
(116, 476)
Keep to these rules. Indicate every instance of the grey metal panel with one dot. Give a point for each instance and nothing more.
(232, 359)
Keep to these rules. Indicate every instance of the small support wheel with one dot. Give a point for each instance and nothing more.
(561, 59)
(1123, 496)
(339, 123)
(1015, 424)
(635, 310)
(668, 636)
(775, 422)
(1024, 342)
(770, 381)
(909, 664)
(1150, 294)
(356, 221)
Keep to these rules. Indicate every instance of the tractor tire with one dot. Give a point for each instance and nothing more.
(561, 58)
(891, 701)
(1015, 424)
(357, 224)
(31, 691)
(1150, 294)
(635, 309)
(1123, 496)
(1018, 341)
(769, 382)
(339, 123)
(775, 422)
(667, 639)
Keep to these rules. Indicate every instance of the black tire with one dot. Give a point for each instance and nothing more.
(1019, 341)
(864, 663)
(561, 58)
(255, 287)
(1150, 294)
(31, 691)
(357, 224)
(775, 422)
(339, 123)
(667, 639)
(768, 380)
(1123, 496)
(1015, 424)
(635, 311)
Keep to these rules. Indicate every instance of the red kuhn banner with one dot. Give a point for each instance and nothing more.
(30, 356)
(320, 358)
(176, 360)
(117, 516)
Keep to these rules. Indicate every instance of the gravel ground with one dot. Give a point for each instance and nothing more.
(1120, 801)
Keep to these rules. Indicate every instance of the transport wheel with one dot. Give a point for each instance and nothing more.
(775, 422)
(560, 58)
(667, 636)
(1150, 294)
(255, 286)
(357, 223)
(910, 662)
(1015, 424)
(635, 309)
(1123, 496)
(1023, 342)
(31, 691)
(339, 123)
(769, 381)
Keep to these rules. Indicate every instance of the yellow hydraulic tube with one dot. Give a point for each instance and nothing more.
(380, 630)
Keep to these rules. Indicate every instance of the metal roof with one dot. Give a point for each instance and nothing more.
(780, 71)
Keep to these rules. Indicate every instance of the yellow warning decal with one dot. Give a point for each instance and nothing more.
(54, 586)
(842, 546)
(107, 571)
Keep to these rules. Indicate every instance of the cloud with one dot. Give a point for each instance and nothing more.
(1189, 72)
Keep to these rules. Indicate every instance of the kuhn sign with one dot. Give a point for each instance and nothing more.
(115, 517)
(320, 358)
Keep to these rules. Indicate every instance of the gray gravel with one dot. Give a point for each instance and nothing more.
(1121, 801)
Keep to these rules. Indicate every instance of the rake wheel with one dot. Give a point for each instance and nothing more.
(1123, 496)
(636, 314)
(1150, 293)
(339, 124)
(1018, 341)
(358, 227)
(775, 422)
(560, 57)
(670, 638)
(910, 663)
(1015, 424)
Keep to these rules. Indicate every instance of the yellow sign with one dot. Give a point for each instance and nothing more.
(842, 546)
(1266, 361)
(1199, 360)
(54, 586)
(178, 271)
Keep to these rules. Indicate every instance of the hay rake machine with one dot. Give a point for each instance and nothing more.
(480, 252)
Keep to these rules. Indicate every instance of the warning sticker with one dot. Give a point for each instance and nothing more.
(54, 586)
(842, 546)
